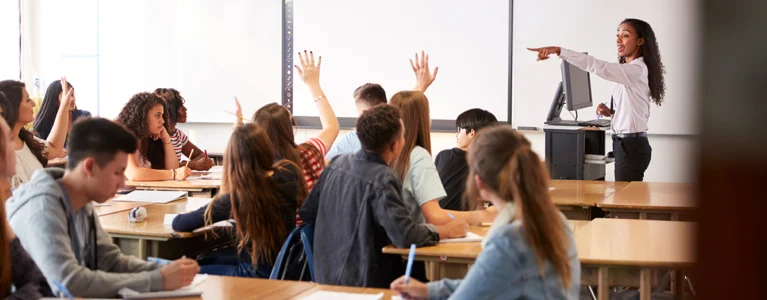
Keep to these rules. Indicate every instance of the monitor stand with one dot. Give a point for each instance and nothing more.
(556, 108)
(559, 122)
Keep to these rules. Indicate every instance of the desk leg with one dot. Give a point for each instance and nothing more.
(142, 249)
(645, 284)
(643, 216)
(603, 285)
(678, 284)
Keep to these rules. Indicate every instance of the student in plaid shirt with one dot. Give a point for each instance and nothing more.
(278, 124)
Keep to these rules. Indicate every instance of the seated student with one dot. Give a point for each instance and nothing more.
(17, 270)
(50, 108)
(181, 143)
(371, 94)
(33, 153)
(145, 116)
(529, 252)
(278, 125)
(451, 163)
(55, 221)
(357, 209)
(259, 194)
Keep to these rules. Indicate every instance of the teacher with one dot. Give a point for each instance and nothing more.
(639, 75)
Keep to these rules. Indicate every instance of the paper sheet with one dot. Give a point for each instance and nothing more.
(187, 291)
(193, 203)
(470, 237)
(327, 295)
(151, 196)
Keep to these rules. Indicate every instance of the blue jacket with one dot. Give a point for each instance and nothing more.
(507, 269)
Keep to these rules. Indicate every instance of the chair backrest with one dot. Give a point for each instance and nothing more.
(291, 262)
(307, 238)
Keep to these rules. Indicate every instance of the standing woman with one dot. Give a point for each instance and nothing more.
(33, 153)
(639, 75)
(145, 116)
(50, 108)
(181, 143)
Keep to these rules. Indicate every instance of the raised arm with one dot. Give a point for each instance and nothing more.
(423, 78)
(626, 74)
(309, 71)
(63, 120)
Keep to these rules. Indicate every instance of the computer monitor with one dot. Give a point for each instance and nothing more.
(577, 87)
(574, 91)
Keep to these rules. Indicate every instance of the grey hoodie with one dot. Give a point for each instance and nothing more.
(40, 216)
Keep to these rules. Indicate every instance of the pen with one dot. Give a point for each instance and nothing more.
(451, 216)
(158, 260)
(190, 158)
(410, 258)
(63, 290)
(206, 154)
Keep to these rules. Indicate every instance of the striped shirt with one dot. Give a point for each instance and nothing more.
(312, 154)
(178, 139)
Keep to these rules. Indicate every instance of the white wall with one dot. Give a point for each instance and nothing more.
(672, 161)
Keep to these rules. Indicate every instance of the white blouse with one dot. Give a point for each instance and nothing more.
(26, 164)
(632, 94)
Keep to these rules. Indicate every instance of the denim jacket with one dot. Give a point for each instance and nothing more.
(507, 269)
(357, 209)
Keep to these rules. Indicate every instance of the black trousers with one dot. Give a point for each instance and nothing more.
(632, 157)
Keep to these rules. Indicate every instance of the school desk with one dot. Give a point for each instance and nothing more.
(196, 187)
(652, 200)
(111, 207)
(576, 198)
(219, 287)
(452, 260)
(59, 162)
(152, 237)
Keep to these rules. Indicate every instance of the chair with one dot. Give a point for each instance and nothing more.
(291, 260)
(307, 238)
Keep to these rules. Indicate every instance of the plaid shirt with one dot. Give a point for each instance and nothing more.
(312, 154)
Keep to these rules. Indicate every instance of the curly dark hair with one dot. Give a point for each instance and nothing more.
(134, 116)
(378, 127)
(13, 91)
(173, 101)
(651, 54)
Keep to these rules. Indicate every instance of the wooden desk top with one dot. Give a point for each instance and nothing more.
(461, 250)
(652, 196)
(112, 207)
(117, 223)
(642, 243)
(583, 192)
(60, 162)
(219, 287)
(194, 184)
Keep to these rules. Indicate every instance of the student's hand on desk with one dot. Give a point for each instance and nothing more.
(178, 274)
(455, 228)
(603, 110)
(182, 173)
(423, 77)
(544, 52)
(309, 71)
(202, 164)
(414, 289)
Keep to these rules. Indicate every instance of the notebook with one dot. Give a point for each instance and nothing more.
(152, 196)
(187, 291)
(470, 237)
(321, 295)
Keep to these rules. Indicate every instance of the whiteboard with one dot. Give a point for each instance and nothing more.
(208, 50)
(590, 26)
(371, 41)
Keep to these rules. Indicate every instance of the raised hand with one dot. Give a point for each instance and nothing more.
(423, 78)
(309, 71)
(544, 52)
(67, 95)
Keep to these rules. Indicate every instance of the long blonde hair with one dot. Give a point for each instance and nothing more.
(414, 109)
(502, 157)
(255, 201)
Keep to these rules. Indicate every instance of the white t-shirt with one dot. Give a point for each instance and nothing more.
(421, 184)
(26, 164)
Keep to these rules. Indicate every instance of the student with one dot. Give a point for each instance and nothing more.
(50, 108)
(451, 163)
(278, 125)
(357, 209)
(421, 185)
(181, 143)
(640, 83)
(18, 271)
(259, 194)
(529, 252)
(56, 223)
(145, 116)
(371, 94)
(33, 153)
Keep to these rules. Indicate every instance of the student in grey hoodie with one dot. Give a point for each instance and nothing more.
(52, 216)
